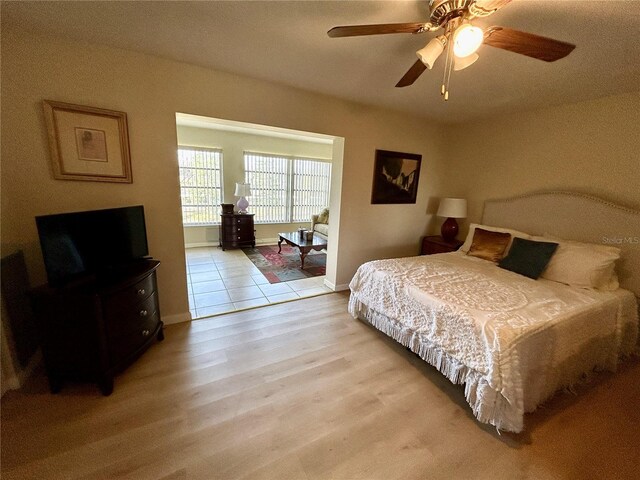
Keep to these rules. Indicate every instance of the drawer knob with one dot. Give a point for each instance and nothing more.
(238, 238)
(145, 333)
(143, 313)
(141, 291)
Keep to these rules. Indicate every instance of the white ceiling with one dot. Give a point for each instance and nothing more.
(286, 42)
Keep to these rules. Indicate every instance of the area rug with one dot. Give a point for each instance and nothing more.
(285, 266)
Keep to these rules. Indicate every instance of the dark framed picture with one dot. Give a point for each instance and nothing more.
(395, 177)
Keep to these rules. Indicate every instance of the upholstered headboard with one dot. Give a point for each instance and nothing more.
(575, 216)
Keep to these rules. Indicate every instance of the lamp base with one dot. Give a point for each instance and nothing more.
(242, 205)
(449, 229)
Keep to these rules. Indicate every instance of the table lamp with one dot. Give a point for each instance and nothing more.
(243, 190)
(451, 208)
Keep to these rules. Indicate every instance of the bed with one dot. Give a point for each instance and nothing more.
(511, 340)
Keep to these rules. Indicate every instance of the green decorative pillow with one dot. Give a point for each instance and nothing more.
(324, 216)
(528, 258)
(489, 245)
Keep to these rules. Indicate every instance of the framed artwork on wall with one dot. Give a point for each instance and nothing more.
(87, 143)
(395, 177)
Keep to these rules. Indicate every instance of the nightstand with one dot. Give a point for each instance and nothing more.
(437, 244)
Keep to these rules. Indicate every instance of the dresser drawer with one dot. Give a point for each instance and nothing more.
(430, 249)
(132, 337)
(125, 318)
(133, 294)
(228, 220)
(128, 328)
(241, 232)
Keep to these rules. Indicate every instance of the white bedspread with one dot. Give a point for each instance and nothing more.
(513, 341)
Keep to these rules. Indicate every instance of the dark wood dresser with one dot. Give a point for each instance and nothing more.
(93, 328)
(437, 244)
(236, 230)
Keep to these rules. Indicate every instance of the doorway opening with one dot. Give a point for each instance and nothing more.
(237, 260)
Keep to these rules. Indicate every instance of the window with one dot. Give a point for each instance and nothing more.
(200, 185)
(286, 189)
(311, 180)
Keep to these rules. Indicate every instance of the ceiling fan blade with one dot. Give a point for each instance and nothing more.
(356, 30)
(412, 74)
(482, 8)
(528, 44)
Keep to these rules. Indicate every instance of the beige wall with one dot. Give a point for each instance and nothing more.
(591, 147)
(233, 145)
(151, 90)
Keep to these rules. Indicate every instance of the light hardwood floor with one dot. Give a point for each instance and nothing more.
(302, 391)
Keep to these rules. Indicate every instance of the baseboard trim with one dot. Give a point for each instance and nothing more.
(266, 241)
(201, 244)
(259, 241)
(177, 318)
(19, 378)
(10, 383)
(336, 288)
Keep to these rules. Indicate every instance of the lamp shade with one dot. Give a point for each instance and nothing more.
(464, 62)
(243, 190)
(452, 208)
(432, 50)
(467, 39)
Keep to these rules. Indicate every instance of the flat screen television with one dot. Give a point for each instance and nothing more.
(91, 243)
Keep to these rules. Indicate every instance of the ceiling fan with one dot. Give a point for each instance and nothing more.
(461, 38)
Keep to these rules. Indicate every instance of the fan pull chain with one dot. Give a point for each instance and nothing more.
(448, 66)
(443, 88)
(446, 94)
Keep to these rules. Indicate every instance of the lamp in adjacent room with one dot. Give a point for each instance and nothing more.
(243, 190)
(451, 208)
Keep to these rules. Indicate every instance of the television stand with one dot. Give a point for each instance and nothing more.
(92, 329)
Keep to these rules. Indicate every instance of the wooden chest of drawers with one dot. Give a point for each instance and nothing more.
(236, 230)
(94, 328)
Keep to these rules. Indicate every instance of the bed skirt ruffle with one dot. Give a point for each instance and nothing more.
(487, 405)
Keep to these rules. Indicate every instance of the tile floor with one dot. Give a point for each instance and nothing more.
(221, 282)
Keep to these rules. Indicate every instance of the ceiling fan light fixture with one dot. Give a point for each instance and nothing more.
(432, 50)
(461, 39)
(466, 40)
(460, 63)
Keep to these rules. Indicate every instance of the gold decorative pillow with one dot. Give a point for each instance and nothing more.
(324, 216)
(489, 245)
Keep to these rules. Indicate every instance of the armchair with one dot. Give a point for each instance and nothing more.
(320, 224)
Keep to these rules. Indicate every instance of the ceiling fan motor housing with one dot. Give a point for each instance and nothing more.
(442, 11)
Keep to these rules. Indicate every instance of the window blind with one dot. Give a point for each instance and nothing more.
(286, 189)
(200, 185)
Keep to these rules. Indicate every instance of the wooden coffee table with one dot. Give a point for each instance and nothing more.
(304, 245)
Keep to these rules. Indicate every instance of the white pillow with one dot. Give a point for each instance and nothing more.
(472, 228)
(582, 265)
